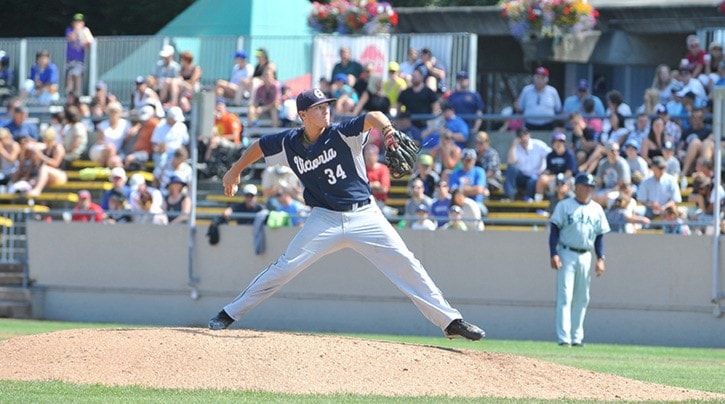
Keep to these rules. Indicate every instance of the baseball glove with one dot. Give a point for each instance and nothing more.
(401, 159)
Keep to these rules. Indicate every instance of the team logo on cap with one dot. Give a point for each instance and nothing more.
(318, 93)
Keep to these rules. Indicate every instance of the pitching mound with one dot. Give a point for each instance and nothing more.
(193, 358)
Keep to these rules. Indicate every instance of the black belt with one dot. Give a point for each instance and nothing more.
(350, 208)
(576, 250)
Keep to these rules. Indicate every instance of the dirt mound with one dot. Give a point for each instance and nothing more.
(193, 358)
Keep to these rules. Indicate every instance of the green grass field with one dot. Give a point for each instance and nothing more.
(692, 368)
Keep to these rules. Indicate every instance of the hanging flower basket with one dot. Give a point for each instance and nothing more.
(355, 17)
(536, 19)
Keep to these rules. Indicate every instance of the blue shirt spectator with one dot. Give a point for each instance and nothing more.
(20, 127)
(466, 102)
(470, 177)
(573, 103)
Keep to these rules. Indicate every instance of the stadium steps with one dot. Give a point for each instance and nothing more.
(15, 301)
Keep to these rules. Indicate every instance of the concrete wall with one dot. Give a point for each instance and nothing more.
(656, 290)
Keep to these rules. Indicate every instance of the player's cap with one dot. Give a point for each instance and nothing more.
(140, 79)
(455, 209)
(78, 17)
(84, 194)
(668, 145)
(468, 153)
(166, 51)
(558, 136)
(659, 162)
(426, 159)
(249, 189)
(582, 84)
(147, 111)
(660, 109)
(632, 143)
(462, 75)
(310, 98)
(118, 172)
(560, 179)
(240, 54)
(176, 114)
(422, 208)
(585, 179)
(393, 67)
(542, 71)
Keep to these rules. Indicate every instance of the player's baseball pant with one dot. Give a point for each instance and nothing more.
(366, 231)
(572, 295)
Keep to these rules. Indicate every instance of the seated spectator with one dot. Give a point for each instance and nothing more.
(690, 84)
(7, 78)
(612, 172)
(142, 132)
(641, 128)
(239, 86)
(526, 161)
(177, 204)
(663, 81)
(695, 55)
(439, 207)
(490, 161)
(675, 222)
(425, 171)
(562, 190)
(146, 202)
(422, 222)
(297, 210)
(226, 133)
(466, 102)
(561, 160)
(659, 190)
(394, 85)
(347, 66)
(622, 217)
(541, 101)
(378, 174)
(19, 126)
(652, 145)
(169, 136)
(418, 100)
(112, 133)
(698, 141)
(373, 98)
(593, 122)
(470, 180)
(118, 179)
(360, 84)
(346, 96)
(673, 164)
(585, 141)
(638, 168)
(42, 82)
(87, 211)
(38, 165)
(177, 166)
(142, 95)
(615, 103)
(705, 199)
(288, 108)
(617, 133)
(435, 77)
(102, 95)
(118, 210)
(9, 157)
(447, 154)
(408, 65)
(250, 206)
(190, 83)
(266, 100)
(277, 178)
(471, 211)
(75, 135)
(416, 198)
(263, 63)
(651, 101)
(455, 219)
(574, 102)
(168, 77)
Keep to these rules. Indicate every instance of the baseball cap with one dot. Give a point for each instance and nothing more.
(176, 114)
(659, 161)
(118, 172)
(393, 67)
(426, 159)
(558, 136)
(260, 52)
(468, 154)
(310, 98)
(542, 71)
(340, 77)
(660, 109)
(240, 54)
(421, 208)
(176, 180)
(249, 189)
(84, 194)
(166, 51)
(140, 79)
(135, 181)
(560, 179)
(81, 17)
(455, 209)
(462, 75)
(147, 111)
(582, 84)
(668, 145)
(632, 143)
(585, 179)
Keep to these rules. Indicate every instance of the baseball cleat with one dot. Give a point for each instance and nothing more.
(565, 345)
(221, 321)
(578, 344)
(459, 328)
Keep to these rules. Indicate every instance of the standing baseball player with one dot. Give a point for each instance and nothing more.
(577, 226)
(328, 161)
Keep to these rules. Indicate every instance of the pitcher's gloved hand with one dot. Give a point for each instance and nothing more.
(402, 155)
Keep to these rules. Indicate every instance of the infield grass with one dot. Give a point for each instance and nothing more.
(692, 368)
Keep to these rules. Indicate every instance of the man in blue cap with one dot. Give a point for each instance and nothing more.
(577, 226)
(466, 103)
(573, 103)
(239, 86)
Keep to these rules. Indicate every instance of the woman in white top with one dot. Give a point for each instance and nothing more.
(471, 211)
(9, 156)
(111, 135)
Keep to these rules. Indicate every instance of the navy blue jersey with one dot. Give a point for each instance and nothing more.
(332, 169)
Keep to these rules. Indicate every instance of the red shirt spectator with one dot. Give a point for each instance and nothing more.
(91, 212)
(695, 55)
(378, 173)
